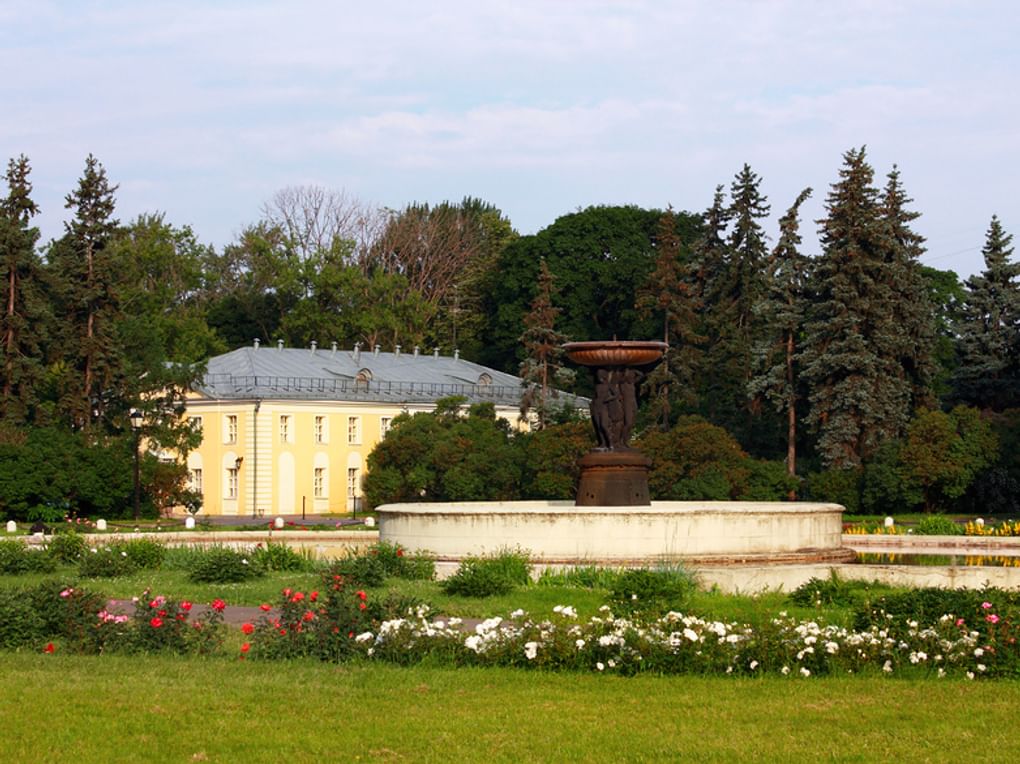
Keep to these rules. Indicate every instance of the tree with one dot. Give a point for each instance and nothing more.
(781, 313)
(25, 316)
(859, 395)
(86, 275)
(913, 343)
(672, 294)
(543, 348)
(988, 375)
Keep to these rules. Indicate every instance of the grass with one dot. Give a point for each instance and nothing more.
(164, 709)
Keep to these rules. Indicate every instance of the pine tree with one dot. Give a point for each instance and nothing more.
(989, 329)
(858, 395)
(913, 312)
(671, 294)
(86, 275)
(543, 349)
(781, 315)
(23, 322)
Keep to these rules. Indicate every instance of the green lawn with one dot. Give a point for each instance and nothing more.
(108, 709)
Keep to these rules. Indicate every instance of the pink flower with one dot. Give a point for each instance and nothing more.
(158, 602)
(247, 628)
(986, 605)
(156, 622)
(287, 592)
(959, 622)
(992, 618)
(66, 593)
(218, 605)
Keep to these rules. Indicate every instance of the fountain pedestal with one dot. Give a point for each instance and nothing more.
(614, 474)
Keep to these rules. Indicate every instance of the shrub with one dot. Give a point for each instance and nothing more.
(938, 525)
(20, 622)
(585, 577)
(143, 553)
(67, 547)
(819, 592)
(17, 558)
(222, 565)
(381, 560)
(488, 576)
(275, 556)
(651, 591)
(930, 604)
(360, 570)
(106, 562)
(67, 609)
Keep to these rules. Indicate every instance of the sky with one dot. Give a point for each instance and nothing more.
(202, 110)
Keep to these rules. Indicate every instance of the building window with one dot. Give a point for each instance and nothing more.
(384, 425)
(319, 483)
(352, 484)
(231, 492)
(231, 433)
(195, 480)
(354, 430)
(285, 429)
(320, 430)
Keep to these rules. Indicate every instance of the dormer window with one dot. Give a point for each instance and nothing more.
(485, 379)
(362, 378)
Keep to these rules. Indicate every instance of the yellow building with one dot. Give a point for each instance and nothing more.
(287, 430)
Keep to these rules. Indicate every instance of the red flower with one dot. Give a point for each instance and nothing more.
(298, 596)
(400, 552)
(218, 605)
(161, 614)
(283, 632)
(245, 647)
(350, 635)
(185, 606)
(309, 615)
(362, 606)
(247, 628)
(287, 592)
(265, 608)
(313, 596)
(181, 616)
(49, 648)
(156, 622)
(362, 595)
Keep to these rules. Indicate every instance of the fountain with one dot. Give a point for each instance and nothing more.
(613, 522)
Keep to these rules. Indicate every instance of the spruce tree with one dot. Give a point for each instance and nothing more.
(86, 276)
(671, 295)
(543, 348)
(23, 322)
(857, 392)
(913, 312)
(781, 314)
(988, 375)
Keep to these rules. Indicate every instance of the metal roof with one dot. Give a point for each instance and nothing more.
(342, 375)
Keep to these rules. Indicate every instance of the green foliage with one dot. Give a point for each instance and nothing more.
(928, 605)
(277, 557)
(444, 456)
(16, 558)
(938, 525)
(837, 486)
(360, 570)
(651, 592)
(222, 565)
(106, 562)
(583, 576)
(67, 547)
(147, 554)
(20, 622)
(833, 592)
(490, 575)
(549, 459)
(380, 561)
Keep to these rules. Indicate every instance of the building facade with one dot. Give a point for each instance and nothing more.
(288, 431)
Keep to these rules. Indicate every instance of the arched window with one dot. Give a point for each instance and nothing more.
(485, 379)
(362, 378)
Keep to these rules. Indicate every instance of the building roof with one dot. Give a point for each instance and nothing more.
(345, 375)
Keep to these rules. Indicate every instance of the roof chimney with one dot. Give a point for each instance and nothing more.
(357, 352)
(279, 344)
(456, 354)
(435, 353)
(375, 350)
(396, 351)
(416, 351)
(334, 351)
(314, 346)
(256, 343)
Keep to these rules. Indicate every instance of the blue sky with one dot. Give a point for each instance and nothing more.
(203, 110)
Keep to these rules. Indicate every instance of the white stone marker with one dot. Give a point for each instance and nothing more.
(369, 522)
(12, 527)
(189, 522)
(278, 523)
(889, 522)
(100, 524)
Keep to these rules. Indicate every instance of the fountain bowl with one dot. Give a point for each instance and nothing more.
(604, 353)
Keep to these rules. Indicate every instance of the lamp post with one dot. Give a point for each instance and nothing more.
(136, 427)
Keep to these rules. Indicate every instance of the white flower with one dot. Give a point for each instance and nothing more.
(831, 647)
(600, 665)
(887, 668)
(611, 663)
(970, 674)
(691, 635)
(753, 665)
(474, 642)
(804, 671)
(579, 644)
(981, 667)
(123, 554)
(365, 636)
(244, 561)
(530, 650)
(942, 673)
(784, 670)
(633, 596)
(978, 652)
(517, 613)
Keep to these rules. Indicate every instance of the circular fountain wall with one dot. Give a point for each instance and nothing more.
(560, 532)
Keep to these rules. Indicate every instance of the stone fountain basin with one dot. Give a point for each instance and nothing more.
(559, 532)
(603, 353)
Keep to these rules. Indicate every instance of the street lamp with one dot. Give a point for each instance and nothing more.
(136, 427)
